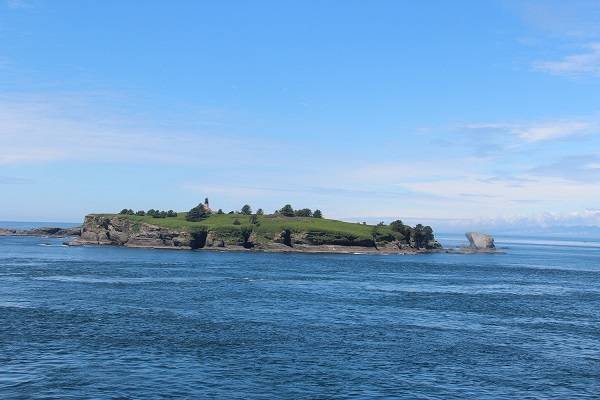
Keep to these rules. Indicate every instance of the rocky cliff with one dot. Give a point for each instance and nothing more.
(101, 230)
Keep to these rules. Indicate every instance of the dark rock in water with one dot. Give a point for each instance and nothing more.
(47, 231)
(480, 241)
(53, 231)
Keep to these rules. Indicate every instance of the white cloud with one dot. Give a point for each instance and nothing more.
(552, 130)
(534, 131)
(583, 63)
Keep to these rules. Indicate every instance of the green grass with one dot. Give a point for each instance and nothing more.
(268, 225)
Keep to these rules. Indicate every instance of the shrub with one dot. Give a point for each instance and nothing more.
(379, 236)
(246, 210)
(171, 214)
(260, 212)
(198, 213)
(124, 211)
(253, 219)
(220, 212)
(305, 212)
(287, 211)
(231, 212)
(141, 213)
(337, 238)
(160, 214)
(236, 222)
(245, 233)
(286, 235)
(317, 214)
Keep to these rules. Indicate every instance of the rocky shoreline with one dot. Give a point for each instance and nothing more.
(99, 230)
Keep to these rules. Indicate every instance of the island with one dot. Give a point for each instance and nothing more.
(285, 230)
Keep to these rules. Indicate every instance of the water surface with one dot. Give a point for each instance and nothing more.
(96, 322)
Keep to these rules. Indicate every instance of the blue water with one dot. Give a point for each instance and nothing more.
(78, 323)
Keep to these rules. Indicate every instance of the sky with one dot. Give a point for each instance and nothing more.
(457, 114)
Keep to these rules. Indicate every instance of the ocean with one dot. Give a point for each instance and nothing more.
(106, 322)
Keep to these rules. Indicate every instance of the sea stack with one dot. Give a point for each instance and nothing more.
(480, 241)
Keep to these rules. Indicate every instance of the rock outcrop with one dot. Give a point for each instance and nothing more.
(47, 231)
(101, 230)
(480, 241)
(7, 232)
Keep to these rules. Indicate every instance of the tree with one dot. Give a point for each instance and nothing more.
(428, 232)
(317, 214)
(231, 212)
(305, 212)
(422, 235)
(260, 212)
(130, 212)
(220, 212)
(246, 210)
(198, 213)
(287, 211)
(124, 211)
(402, 232)
(141, 213)
(397, 226)
(171, 213)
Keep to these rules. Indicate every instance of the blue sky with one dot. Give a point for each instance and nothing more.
(462, 113)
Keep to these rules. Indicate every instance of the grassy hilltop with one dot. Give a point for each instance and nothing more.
(266, 225)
